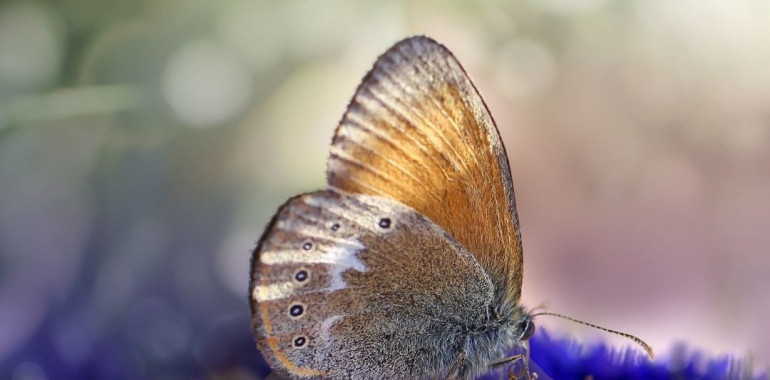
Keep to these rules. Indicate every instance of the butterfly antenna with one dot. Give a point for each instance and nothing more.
(636, 340)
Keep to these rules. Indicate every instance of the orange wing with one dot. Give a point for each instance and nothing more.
(418, 131)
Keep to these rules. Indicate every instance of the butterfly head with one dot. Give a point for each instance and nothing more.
(517, 323)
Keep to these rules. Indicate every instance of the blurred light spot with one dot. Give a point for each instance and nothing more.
(31, 41)
(28, 371)
(231, 261)
(569, 7)
(205, 85)
(524, 68)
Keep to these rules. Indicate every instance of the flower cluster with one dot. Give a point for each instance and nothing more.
(565, 358)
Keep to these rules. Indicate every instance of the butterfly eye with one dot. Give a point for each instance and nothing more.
(385, 222)
(296, 310)
(300, 341)
(307, 246)
(527, 328)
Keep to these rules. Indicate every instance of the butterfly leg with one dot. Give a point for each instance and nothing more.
(459, 366)
(524, 358)
(512, 359)
(527, 375)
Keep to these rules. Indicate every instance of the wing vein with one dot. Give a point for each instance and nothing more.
(426, 153)
(402, 114)
(401, 169)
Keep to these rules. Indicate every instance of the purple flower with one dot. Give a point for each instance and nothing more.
(566, 358)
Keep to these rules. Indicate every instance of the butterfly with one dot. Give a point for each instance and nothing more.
(409, 264)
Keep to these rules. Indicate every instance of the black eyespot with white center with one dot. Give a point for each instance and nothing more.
(296, 310)
(385, 223)
(307, 246)
(300, 341)
(301, 276)
(335, 226)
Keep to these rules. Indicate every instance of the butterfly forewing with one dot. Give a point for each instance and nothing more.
(338, 290)
(418, 131)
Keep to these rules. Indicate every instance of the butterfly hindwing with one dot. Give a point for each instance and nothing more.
(338, 289)
(418, 131)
